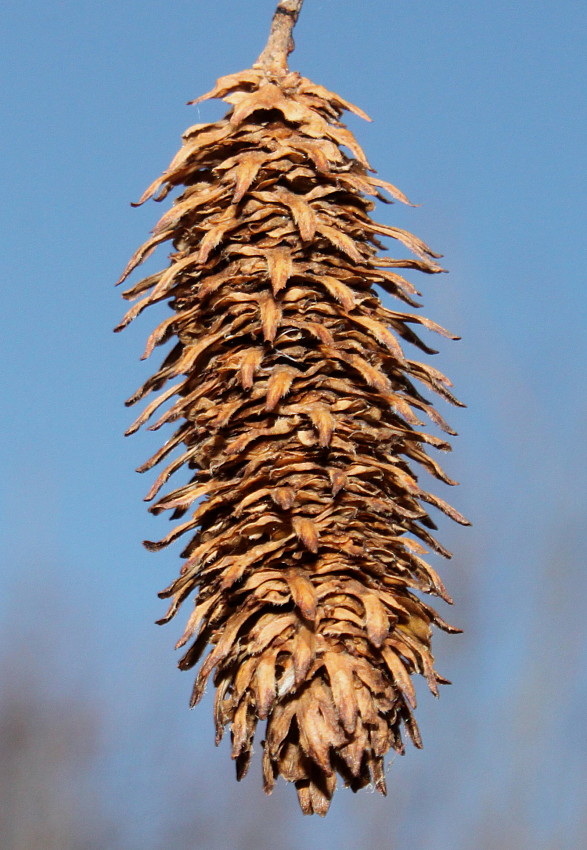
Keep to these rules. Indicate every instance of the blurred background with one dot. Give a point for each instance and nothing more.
(480, 117)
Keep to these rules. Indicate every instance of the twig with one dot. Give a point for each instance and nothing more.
(280, 42)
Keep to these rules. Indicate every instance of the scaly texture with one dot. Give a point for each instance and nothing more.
(299, 417)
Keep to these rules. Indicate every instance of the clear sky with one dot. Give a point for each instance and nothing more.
(480, 116)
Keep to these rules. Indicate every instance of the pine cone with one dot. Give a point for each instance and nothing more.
(298, 414)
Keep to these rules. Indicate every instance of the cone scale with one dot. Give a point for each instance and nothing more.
(298, 413)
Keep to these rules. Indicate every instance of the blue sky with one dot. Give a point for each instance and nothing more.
(480, 116)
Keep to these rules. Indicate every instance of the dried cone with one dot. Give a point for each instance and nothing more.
(298, 420)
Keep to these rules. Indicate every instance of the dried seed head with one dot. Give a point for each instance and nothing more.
(299, 417)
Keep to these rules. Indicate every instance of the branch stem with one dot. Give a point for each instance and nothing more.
(280, 43)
